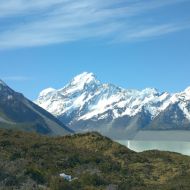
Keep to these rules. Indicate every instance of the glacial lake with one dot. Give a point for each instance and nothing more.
(172, 146)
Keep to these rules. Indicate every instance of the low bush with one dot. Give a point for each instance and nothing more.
(15, 156)
(92, 179)
(60, 184)
(35, 174)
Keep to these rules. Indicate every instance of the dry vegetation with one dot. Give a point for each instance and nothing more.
(34, 161)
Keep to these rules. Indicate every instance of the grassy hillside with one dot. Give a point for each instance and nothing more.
(34, 161)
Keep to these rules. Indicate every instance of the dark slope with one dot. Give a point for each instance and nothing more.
(172, 118)
(17, 112)
(50, 116)
(121, 128)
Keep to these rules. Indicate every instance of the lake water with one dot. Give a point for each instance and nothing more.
(173, 146)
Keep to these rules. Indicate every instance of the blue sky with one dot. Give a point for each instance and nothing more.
(130, 43)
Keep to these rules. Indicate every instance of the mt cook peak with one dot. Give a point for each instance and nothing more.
(85, 104)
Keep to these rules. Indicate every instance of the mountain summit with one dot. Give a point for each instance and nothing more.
(85, 104)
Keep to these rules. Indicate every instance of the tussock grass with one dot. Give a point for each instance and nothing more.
(35, 161)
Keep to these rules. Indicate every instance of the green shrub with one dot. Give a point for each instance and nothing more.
(35, 174)
(90, 188)
(74, 160)
(76, 184)
(124, 185)
(110, 166)
(5, 134)
(25, 149)
(93, 179)
(140, 159)
(171, 188)
(12, 182)
(16, 156)
(17, 136)
(60, 184)
(35, 145)
(97, 160)
(6, 143)
(15, 181)
(85, 161)
(61, 165)
(124, 171)
(3, 175)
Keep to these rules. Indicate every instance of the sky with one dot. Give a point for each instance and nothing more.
(130, 43)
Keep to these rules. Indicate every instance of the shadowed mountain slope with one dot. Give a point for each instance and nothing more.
(17, 112)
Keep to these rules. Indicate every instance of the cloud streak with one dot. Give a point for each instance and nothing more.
(60, 21)
(148, 32)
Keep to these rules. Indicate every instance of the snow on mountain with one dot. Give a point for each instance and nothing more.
(5, 90)
(46, 91)
(86, 90)
(2, 83)
(184, 101)
(88, 104)
(71, 96)
(187, 91)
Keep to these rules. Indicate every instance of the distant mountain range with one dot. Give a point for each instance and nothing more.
(17, 112)
(85, 104)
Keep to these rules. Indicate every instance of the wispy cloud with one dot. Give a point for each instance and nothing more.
(10, 8)
(16, 78)
(148, 32)
(45, 22)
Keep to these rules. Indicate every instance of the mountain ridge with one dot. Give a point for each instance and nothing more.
(17, 112)
(85, 101)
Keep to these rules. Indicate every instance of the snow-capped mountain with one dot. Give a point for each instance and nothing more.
(85, 104)
(176, 116)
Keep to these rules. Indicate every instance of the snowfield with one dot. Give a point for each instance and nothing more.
(87, 97)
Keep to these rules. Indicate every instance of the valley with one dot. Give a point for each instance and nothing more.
(36, 147)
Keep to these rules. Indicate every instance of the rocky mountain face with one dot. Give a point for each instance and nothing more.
(17, 112)
(85, 104)
(176, 116)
